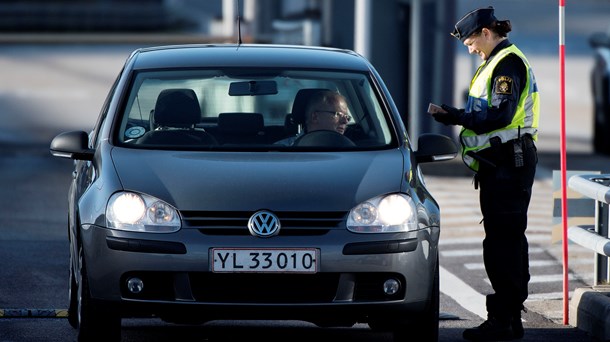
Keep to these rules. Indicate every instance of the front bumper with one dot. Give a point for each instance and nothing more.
(175, 271)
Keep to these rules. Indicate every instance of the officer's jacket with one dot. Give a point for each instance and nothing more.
(525, 119)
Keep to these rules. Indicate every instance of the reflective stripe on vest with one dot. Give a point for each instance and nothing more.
(525, 120)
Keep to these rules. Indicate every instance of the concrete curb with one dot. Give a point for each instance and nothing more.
(590, 311)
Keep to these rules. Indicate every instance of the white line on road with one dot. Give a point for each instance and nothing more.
(549, 278)
(479, 240)
(532, 264)
(546, 296)
(463, 294)
(553, 278)
(475, 252)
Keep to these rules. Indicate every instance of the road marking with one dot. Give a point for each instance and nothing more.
(532, 263)
(466, 225)
(558, 277)
(33, 313)
(475, 252)
(553, 278)
(463, 294)
(546, 296)
(479, 240)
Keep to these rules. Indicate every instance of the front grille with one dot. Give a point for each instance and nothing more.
(264, 288)
(236, 223)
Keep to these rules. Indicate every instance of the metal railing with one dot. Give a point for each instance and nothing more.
(595, 237)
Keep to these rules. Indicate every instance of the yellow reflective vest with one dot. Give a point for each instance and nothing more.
(525, 120)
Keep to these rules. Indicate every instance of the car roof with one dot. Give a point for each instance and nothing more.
(248, 55)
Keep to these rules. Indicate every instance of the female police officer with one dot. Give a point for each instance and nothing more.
(499, 127)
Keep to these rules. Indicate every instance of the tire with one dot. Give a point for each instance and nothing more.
(424, 326)
(96, 322)
(73, 297)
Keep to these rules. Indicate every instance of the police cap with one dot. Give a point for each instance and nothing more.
(472, 22)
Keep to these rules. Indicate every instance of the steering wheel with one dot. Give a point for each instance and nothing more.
(324, 138)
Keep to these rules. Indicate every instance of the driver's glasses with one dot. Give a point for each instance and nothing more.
(337, 115)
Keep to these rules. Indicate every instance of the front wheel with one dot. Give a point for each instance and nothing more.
(95, 321)
(73, 297)
(424, 326)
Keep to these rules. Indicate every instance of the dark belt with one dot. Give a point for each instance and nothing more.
(527, 139)
(486, 156)
(507, 147)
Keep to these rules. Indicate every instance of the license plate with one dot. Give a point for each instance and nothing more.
(273, 260)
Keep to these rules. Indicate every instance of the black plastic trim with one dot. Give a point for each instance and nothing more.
(380, 247)
(145, 246)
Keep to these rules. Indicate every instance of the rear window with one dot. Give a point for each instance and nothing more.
(244, 110)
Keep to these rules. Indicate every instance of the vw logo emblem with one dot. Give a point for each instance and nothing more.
(263, 224)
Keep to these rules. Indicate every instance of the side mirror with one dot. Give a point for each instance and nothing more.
(73, 145)
(435, 147)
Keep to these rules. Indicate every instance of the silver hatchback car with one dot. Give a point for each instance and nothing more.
(204, 193)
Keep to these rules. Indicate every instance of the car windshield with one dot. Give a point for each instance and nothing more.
(263, 110)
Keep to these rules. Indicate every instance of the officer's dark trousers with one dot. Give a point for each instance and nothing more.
(505, 192)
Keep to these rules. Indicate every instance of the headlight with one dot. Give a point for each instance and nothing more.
(384, 214)
(141, 213)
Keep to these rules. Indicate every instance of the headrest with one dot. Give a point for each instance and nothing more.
(241, 123)
(299, 106)
(177, 108)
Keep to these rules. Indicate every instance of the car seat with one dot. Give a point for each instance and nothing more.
(174, 118)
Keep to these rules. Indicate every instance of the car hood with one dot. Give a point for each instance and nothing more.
(239, 181)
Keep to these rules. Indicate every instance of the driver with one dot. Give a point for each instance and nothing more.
(326, 110)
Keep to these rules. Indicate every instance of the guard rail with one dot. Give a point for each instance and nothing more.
(594, 237)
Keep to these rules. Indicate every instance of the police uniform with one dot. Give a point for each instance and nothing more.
(500, 126)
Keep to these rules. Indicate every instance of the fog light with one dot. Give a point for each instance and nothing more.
(391, 287)
(135, 285)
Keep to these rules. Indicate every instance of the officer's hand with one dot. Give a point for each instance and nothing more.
(451, 115)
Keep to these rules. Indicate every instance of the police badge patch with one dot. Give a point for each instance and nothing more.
(504, 85)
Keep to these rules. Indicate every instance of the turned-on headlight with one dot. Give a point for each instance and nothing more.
(384, 214)
(135, 212)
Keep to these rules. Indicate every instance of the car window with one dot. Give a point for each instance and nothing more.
(240, 109)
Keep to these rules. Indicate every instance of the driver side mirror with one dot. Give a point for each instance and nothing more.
(435, 147)
(73, 145)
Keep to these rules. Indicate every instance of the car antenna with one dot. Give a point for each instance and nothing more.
(238, 24)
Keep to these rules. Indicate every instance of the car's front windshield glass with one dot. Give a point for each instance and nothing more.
(258, 110)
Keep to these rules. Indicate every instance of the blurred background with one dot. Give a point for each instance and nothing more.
(407, 41)
(59, 59)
